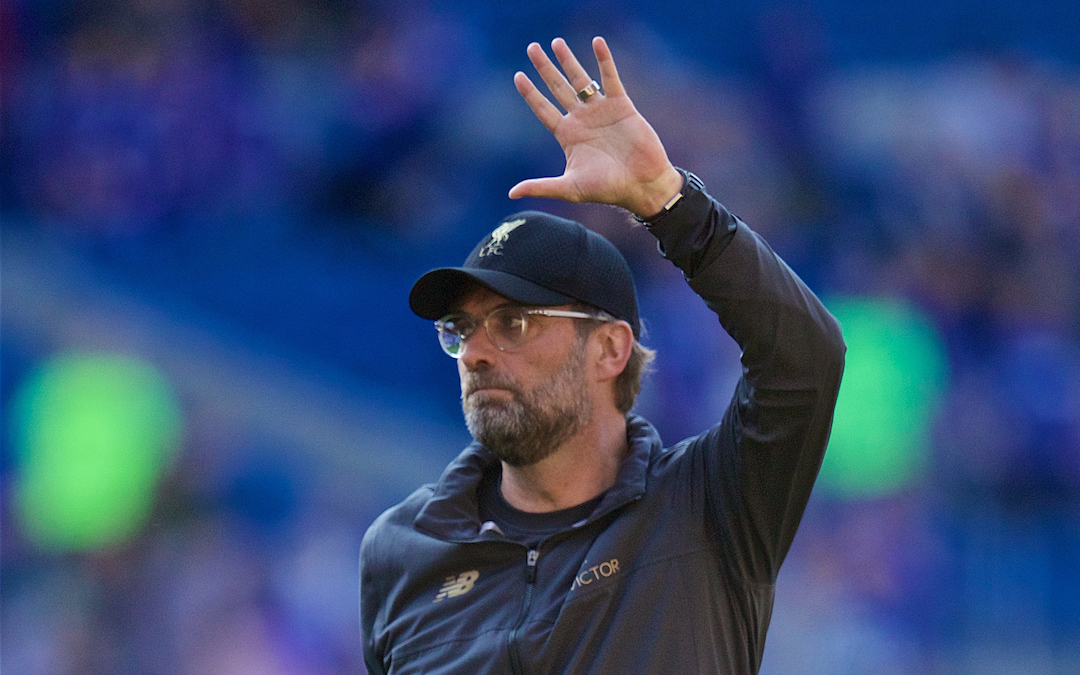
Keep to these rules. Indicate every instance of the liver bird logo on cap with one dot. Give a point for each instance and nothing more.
(499, 236)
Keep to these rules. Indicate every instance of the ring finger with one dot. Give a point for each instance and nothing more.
(577, 75)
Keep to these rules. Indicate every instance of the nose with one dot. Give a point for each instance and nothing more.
(477, 350)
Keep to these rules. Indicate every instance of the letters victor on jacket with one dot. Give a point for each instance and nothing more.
(565, 539)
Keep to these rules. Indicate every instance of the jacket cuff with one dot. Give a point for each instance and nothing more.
(684, 231)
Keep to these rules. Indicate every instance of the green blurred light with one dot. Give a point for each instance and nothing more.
(895, 369)
(93, 434)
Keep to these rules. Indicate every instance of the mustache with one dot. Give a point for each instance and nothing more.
(474, 382)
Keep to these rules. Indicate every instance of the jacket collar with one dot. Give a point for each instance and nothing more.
(451, 512)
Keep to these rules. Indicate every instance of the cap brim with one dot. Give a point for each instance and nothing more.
(434, 295)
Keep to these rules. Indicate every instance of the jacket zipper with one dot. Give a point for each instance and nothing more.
(530, 582)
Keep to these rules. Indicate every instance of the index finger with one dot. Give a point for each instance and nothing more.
(556, 82)
(544, 109)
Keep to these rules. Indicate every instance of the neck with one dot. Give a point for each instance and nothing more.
(580, 469)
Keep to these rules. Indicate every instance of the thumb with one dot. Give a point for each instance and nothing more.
(551, 188)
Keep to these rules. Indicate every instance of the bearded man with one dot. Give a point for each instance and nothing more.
(566, 539)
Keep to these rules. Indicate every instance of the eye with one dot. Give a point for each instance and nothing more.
(452, 326)
(509, 322)
(459, 326)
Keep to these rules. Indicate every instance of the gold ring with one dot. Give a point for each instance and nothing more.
(590, 89)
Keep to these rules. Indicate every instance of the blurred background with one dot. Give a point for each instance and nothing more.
(212, 213)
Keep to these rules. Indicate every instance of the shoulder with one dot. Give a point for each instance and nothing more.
(393, 526)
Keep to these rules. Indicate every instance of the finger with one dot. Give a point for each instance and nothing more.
(552, 76)
(577, 75)
(551, 188)
(609, 76)
(544, 109)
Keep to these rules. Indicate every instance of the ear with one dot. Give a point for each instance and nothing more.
(615, 341)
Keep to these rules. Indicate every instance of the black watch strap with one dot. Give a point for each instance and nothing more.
(690, 182)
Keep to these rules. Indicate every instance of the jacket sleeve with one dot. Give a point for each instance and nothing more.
(760, 462)
(372, 595)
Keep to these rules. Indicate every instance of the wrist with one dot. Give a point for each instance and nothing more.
(658, 195)
(687, 182)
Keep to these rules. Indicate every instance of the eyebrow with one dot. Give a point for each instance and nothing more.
(508, 303)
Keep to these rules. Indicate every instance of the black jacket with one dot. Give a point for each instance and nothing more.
(674, 571)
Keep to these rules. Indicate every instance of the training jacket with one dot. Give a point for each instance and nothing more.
(674, 571)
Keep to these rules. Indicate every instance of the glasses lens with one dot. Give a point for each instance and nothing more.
(506, 327)
(450, 330)
(451, 343)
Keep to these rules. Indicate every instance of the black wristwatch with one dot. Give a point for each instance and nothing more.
(690, 182)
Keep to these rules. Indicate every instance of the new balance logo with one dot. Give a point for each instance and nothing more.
(459, 585)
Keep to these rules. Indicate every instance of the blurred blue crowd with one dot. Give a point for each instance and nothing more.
(274, 174)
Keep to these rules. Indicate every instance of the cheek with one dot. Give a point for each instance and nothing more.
(462, 372)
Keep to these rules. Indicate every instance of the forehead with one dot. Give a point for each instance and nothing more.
(478, 299)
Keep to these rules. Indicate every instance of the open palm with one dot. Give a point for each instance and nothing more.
(613, 155)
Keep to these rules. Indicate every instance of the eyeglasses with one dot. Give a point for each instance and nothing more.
(507, 327)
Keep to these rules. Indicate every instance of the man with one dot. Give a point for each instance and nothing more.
(566, 539)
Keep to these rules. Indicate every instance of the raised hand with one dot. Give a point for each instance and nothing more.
(613, 156)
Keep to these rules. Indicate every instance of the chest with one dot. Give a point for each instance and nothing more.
(501, 607)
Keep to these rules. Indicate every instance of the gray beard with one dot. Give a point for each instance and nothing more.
(532, 425)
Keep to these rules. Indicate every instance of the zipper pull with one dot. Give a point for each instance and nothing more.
(530, 565)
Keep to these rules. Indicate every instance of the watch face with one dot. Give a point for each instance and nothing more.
(693, 181)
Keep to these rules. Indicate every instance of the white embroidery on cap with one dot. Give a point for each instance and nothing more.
(499, 236)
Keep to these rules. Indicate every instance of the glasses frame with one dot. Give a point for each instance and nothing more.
(525, 312)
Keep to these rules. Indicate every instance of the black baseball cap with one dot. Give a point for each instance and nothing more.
(536, 258)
